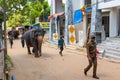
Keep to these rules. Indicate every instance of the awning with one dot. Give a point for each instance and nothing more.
(55, 15)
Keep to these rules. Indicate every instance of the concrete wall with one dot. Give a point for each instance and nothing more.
(77, 4)
(78, 27)
(108, 4)
(58, 6)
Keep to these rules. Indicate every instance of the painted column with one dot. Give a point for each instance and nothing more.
(84, 22)
(96, 21)
(58, 30)
(84, 27)
(59, 8)
(51, 21)
(68, 18)
(113, 22)
(56, 7)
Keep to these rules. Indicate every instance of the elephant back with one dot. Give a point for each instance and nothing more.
(28, 35)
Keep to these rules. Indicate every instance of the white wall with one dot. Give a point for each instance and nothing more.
(77, 4)
(109, 4)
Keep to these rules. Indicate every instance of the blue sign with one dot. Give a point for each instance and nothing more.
(89, 9)
(78, 17)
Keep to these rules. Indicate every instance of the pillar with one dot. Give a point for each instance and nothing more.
(56, 7)
(96, 21)
(113, 22)
(51, 21)
(68, 18)
(84, 27)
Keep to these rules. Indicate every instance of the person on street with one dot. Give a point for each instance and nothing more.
(61, 45)
(11, 41)
(22, 40)
(91, 54)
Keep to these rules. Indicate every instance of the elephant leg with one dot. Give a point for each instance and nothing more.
(29, 52)
(40, 45)
(40, 49)
(33, 50)
(36, 50)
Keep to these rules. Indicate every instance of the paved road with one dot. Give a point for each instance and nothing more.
(51, 66)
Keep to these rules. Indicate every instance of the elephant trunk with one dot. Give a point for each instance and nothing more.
(40, 40)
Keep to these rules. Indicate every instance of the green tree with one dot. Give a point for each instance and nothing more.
(17, 20)
(46, 12)
(27, 10)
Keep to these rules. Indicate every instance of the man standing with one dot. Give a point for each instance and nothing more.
(91, 54)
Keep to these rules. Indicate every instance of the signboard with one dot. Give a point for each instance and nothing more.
(55, 36)
(45, 24)
(78, 17)
(72, 38)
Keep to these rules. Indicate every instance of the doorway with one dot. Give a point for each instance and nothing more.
(105, 23)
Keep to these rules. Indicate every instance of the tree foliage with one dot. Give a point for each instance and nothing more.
(24, 11)
(46, 11)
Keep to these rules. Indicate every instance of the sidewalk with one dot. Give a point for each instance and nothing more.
(76, 49)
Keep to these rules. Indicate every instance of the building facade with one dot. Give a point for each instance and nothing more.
(106, 16)
(111, 16)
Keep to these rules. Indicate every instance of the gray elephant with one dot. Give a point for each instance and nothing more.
(34, 38)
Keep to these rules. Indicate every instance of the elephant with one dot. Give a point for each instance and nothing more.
(14, 34)
(34, 38)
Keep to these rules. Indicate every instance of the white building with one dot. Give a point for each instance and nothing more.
(111, 16)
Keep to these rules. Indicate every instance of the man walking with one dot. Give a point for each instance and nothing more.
(11, 41)
(61, 45)
(22, 40)
(91, 54)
